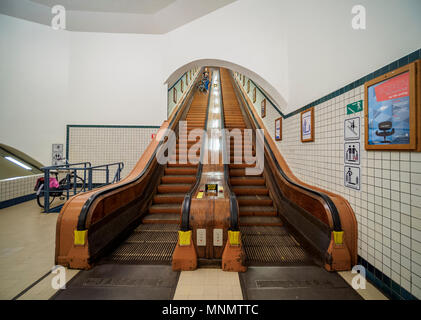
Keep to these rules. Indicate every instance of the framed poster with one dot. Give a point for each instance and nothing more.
(278, 129)
(393, 112)
(174, 95)
(248, 86)
(263, 108)
(307, 125)
(254, 95)
(182, 86)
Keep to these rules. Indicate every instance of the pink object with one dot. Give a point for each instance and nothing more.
(53, 183)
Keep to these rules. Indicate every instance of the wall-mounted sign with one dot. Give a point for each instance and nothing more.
(352, 153)
(263, 108)
(354, 107)
(393, 110)
(352, 129)
(352, 177)
(218, 237)
(201, 237)
(307, 125)
(57, 154)
(278, 129)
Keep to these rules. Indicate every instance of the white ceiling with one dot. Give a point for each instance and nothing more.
(123, 6)
(115, 16)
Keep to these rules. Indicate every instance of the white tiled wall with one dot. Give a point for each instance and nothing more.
(17, 187)
(388, 206)
(104, 145)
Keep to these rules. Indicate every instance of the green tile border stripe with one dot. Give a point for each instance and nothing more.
(385, 284)
(101, 126)
(390, 67)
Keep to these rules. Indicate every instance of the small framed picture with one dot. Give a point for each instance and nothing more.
(182, 86)
(307, 125)
(248, 86)
(278, 129)
(174, 95)
(254, 95)
(263, 108)
(392, 113)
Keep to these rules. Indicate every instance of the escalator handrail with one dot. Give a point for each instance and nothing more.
(232, 198)
(81, 224)
(185, 209)
(332, 207)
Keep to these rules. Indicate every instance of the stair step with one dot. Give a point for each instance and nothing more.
(247, 180)
(180, 165)
(180, 171)
(169, 198)
(165, 208)
(241, 165)
(256, 210)
(178, 179)
(260, 221)
(252, 200)
(241, 173)
(250, 190)
(174, 188)
(170, 218)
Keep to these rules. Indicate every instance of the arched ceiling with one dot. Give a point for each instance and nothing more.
(269, 90)
(115, 16)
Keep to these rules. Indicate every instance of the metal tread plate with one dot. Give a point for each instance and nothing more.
(148, 244)
(272, 245)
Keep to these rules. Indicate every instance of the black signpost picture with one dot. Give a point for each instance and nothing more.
(352, 152)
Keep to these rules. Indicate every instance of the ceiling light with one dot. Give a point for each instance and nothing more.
(20, 164)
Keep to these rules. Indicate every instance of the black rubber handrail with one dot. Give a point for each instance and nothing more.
(185, 210)
(334, 211)
(234, 225)
(81, 224)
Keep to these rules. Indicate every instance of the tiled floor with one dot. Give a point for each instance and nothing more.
(369, 293)
(208, 284)
(27, 242)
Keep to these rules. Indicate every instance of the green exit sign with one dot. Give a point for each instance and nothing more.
(354, 107)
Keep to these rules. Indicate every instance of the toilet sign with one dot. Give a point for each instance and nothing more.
(352, 153)
(352, 177)
(352, 129)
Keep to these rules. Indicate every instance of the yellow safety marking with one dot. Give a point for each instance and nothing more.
(338, 237)
(80, 237)
(200, 195)
(184, 238)
(234, 237)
